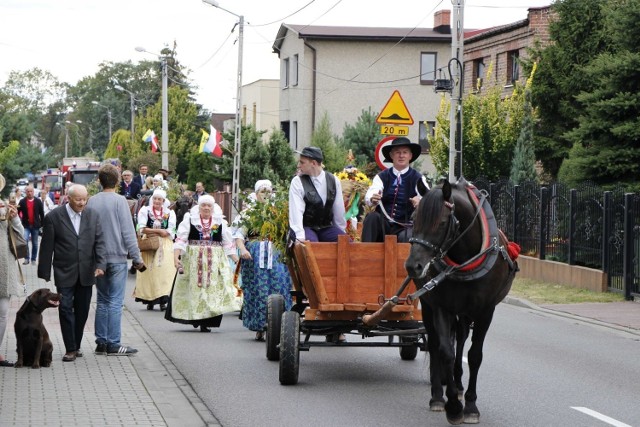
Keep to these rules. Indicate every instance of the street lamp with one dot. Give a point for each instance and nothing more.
(133, 113)
(108, 115)
(235, 190)
(66, 134)
(165, 108)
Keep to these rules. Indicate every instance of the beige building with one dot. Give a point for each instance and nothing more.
(260, 105)
(344, 70)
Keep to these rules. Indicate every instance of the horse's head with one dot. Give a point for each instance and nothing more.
(435, 229)
(181, 206)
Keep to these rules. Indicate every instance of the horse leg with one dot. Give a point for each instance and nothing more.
(436, 403)
(480, 328)
(443, 323)
(461, 334)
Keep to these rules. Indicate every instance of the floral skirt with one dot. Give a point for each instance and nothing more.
(205, 290)
(154, 285)
(262, 276)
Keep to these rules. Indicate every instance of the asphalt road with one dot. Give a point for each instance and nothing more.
(538, 370)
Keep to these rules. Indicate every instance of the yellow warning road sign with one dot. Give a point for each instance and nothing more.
(395, 112)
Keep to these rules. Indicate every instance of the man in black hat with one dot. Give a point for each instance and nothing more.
(316, 209)
(394, 194)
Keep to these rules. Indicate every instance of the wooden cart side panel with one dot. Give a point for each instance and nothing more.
(343, 284)
(390, 265)
(309, 275)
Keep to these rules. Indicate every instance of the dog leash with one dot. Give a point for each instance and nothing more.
(13, 243)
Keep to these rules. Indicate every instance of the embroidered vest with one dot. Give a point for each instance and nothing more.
(216, 234)
(316, 215)
(396, 199)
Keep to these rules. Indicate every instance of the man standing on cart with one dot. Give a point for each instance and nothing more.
(316, 208)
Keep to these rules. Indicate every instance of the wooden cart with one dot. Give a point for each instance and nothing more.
(336, 284)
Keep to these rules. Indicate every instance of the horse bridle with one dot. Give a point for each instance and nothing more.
(450, 237)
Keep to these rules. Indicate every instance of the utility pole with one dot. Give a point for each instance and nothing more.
(165, 116)
(457, 75)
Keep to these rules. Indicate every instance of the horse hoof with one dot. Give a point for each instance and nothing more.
(455, 420)
(471, 418)
(436, 405)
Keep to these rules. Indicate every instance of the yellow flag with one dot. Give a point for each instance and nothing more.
(203, 140)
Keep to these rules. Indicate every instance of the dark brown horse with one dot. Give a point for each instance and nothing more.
(457, 249)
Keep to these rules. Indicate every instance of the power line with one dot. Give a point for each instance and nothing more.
(282, 19)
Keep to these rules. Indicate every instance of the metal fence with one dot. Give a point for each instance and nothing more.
(583, 226)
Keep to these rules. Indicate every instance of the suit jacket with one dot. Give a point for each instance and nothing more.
(138, 180)
(75, 256)
(38, 210)
(134, 190)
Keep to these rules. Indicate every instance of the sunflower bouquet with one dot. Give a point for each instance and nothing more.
(354, 186)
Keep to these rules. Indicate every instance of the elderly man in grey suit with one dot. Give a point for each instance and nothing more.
(73, 239)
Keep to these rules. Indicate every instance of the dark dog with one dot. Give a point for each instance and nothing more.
(34, 346)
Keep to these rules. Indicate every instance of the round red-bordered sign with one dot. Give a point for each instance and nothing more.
(382, 164)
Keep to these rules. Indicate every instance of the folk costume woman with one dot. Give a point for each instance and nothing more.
(153, 286)
(262, 271)
(203, 288)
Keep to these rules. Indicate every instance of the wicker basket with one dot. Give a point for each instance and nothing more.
(148, 243)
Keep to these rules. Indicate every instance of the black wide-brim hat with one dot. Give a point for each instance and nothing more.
(401, 142)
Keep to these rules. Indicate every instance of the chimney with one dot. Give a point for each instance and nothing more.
(442, 22)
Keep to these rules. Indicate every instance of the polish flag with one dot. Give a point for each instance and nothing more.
(213, 143)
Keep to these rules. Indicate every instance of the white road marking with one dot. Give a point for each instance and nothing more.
(600, 416)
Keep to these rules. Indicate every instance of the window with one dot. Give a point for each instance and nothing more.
(294, 71)
(478, 73)
(427, 68)
(294, 135)
(513, 66)
(426, 129)
(284, 73)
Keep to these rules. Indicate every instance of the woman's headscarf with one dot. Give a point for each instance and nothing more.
(160, 192)
(206, 198)
(263, 183)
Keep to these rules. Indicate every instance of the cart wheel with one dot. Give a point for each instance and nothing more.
(408, 352)
(289, 351)
(275, 308)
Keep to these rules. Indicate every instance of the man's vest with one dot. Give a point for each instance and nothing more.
(316, 215)
(395, 199)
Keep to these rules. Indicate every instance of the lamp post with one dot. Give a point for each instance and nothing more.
(165, 108)
(66, 134)
(108, 115)
(235, 190)
(133, 106)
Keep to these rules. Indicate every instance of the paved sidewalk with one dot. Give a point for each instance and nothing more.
(96, 390)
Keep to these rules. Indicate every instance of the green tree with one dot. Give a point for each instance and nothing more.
(281, 159)
(524, 160)
(577, 37)
(606, 141)
(255, 157)
(8, 154)
(362, 138)
(334, 156)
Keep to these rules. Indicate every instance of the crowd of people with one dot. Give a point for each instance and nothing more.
(187, 267)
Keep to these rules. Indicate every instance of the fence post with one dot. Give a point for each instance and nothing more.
(627, 262)
(607, 217)
(573, 205)
(542, 238)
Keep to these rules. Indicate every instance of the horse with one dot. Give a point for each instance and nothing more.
(467, 267)
(183, 205)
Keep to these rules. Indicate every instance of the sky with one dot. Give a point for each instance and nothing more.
(70, 38)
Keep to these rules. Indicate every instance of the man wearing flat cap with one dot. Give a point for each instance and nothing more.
(316, 209)
(394, 194)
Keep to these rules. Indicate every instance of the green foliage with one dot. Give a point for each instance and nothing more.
(334, 156)
(362, 138)
(282, 161)
(577, 37)
(491, 126)
(606, 146)
(523, 165)
(122, 147)
(268, 220)
(7, 164)
(255, 157)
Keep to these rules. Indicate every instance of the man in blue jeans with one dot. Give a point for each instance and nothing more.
(120, 241)
(31, 210)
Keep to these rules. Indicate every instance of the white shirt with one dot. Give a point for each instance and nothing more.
(75, 218)
(297, 204)
(377, 186)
